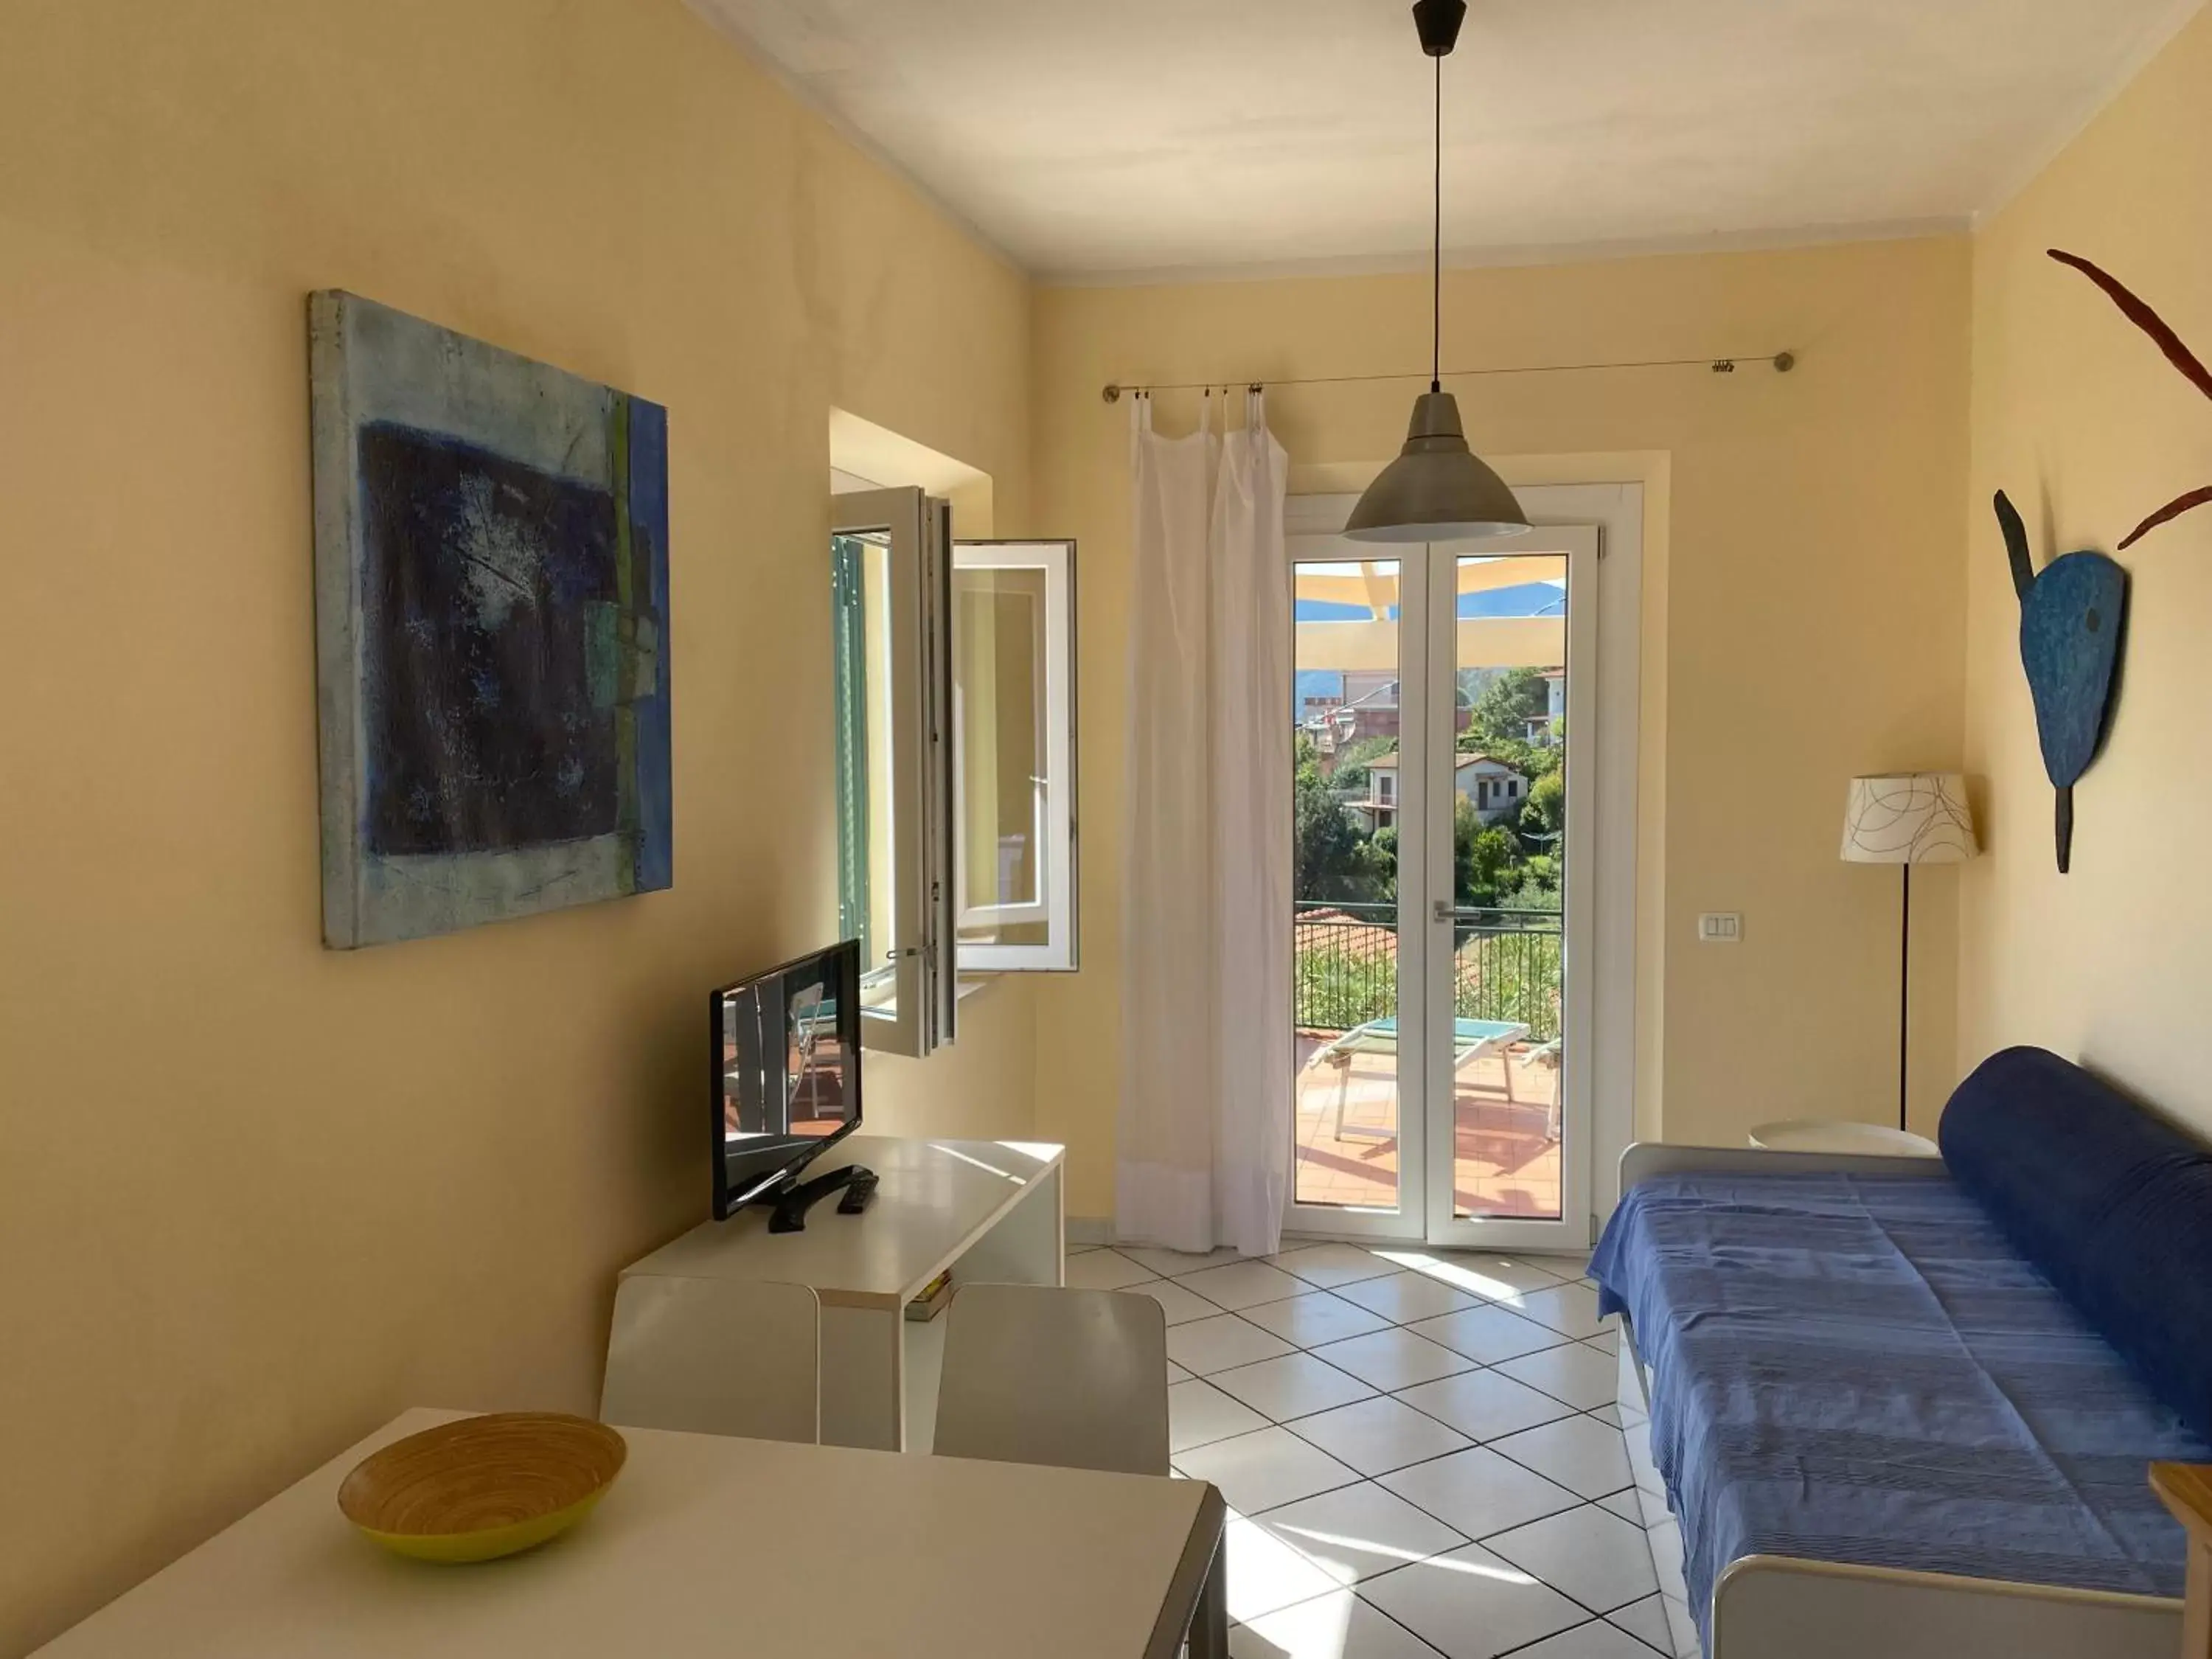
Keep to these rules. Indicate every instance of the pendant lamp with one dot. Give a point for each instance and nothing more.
(1437, 490)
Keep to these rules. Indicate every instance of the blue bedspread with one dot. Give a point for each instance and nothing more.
(1861, 1368)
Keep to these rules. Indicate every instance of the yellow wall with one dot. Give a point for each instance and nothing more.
(1809, 619)
(2077, 416)
(256, 1196)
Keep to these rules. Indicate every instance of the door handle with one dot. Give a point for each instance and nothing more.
(1440, 910)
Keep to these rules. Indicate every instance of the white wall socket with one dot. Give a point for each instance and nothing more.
(1720, 927)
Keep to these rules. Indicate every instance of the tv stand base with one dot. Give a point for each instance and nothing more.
(791, 1203)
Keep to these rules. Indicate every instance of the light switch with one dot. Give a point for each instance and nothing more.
(1720, 927)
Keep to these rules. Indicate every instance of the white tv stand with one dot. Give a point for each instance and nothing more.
(991, 1210)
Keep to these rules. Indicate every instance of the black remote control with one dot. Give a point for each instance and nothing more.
(859, 1192)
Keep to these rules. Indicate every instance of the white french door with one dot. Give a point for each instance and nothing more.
(1444, 842)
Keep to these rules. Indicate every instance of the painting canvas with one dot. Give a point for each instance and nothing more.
(491, 596)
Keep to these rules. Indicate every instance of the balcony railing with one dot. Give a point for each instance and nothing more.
(1505, 965)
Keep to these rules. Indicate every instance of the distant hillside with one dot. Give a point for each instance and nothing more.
(1313, 683)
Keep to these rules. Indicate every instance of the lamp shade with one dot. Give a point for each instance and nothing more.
(1909, 818)
(1436, 490)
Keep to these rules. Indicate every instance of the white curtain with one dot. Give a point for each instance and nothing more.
(1204, 1135)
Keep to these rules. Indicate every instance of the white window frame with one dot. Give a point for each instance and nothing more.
(918, 699)
(1311, 524)
(1058, 824)
(1579, 545)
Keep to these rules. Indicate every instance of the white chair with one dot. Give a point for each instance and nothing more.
(1545, 1057)
(1035, 1374)
(1075, 1379)
(715, 1356)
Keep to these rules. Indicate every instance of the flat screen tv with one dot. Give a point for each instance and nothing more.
(787, 1072)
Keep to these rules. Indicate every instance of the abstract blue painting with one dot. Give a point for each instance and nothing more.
(491, 600)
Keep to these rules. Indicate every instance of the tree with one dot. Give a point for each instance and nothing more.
(1350, 774)
(1544, 814)
(1539, 889)
(1330, 856)
(1506, 706)
(1381, 856)
(1524, 757)
(1483, 857)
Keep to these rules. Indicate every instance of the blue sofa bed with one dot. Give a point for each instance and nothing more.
(1911, 1367)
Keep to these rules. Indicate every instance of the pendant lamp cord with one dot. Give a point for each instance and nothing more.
(1437, 249)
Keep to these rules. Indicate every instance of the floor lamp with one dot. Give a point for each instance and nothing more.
(1906, 818)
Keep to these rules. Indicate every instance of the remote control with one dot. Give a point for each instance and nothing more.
(857, 1193)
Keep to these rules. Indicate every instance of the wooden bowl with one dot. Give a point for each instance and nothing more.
(483, 1487)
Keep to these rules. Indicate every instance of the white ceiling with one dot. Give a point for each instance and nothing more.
(1098, 137)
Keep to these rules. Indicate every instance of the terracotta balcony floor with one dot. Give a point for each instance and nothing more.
(1505, 1162)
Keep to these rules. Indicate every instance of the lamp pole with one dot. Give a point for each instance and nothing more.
(1906, 818)
(1904, 997)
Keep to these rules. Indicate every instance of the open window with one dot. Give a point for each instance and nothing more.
(890, 584)
(1013, 691)
(954, 734)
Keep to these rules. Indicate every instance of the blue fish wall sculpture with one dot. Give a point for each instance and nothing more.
(2072, 617)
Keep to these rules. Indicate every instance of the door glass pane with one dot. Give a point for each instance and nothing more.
(1508, 876)
(1345, 883)
(859, 588)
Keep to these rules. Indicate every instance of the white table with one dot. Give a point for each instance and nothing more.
(713, 1545)
(1842, 1139)
(990, 1210)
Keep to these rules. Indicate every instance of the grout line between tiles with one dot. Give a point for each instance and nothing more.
(1353, 1591)
(1306, 1287)
(1631, 1634)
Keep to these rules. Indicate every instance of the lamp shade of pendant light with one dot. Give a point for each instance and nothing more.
(1437, 490)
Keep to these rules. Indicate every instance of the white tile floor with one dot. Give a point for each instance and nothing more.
(1418, 1448)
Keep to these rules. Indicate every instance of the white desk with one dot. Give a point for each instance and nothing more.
(1850, 1140)
(990, 1210)
(713, 1546)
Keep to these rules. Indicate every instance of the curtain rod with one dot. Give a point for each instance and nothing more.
(1781, 362)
